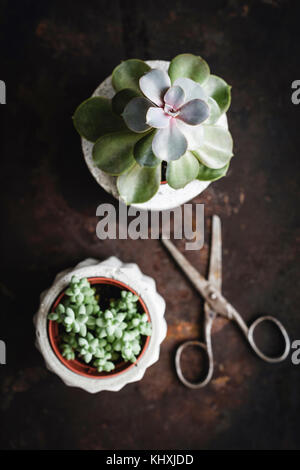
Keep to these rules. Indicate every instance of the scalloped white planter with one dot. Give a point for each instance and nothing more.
(166, 197)
(128, 273)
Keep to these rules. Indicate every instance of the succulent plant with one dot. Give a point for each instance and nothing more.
(95, 336)
(158, 117)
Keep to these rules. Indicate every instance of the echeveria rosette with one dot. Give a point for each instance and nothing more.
(158, 116)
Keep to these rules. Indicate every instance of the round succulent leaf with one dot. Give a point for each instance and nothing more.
(193, 134)
(192, 90)
(113, 153)
(183, 171)
(128, 73)
(214, 111)
(139, 184)
(143, 153)
(216, 150)
(220, 91)
(156, 117)
(169, 143)
(190, 66)
(121, 99)
(209, 174)
(174, 97)
(194, 112)
(135, 113)
(94, 118)
(154, 85)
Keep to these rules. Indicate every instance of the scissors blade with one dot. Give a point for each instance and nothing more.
(198, 281)
(209, 291)
(215, 263)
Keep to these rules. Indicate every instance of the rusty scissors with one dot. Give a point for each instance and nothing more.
(216, 304)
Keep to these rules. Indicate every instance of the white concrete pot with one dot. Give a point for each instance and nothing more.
(166, 197)
(144, 286)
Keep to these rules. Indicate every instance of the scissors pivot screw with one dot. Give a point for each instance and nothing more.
(213, 296)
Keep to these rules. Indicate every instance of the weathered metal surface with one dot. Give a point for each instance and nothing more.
(53, 55)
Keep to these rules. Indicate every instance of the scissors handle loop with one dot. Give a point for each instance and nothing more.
(283, 332)
(208, 352)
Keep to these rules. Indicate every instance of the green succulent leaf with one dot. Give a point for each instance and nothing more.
(88, 357)
(143, 153)
(208, 174)
(216, 150)
(190, 66)
(94, 118)
(122, 98)
(220, 91)
(182, 171)
(128, 73)
(53, 316)
(113, 153)
(139, 184)
(214, 111)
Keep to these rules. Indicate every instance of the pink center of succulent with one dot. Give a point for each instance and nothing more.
(170, 111)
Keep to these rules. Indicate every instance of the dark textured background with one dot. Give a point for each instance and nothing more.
(53, 55)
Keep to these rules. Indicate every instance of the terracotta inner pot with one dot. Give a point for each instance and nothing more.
(78, 366)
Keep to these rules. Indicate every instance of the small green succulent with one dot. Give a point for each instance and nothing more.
(157, 116)
(100, 337)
